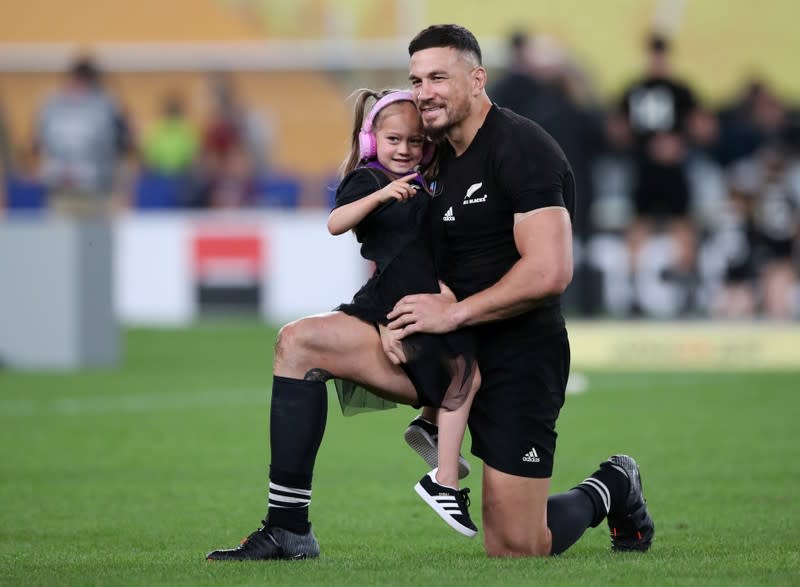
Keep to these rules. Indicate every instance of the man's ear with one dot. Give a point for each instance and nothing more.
(478, 80)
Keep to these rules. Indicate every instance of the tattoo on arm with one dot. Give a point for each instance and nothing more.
(317, 375)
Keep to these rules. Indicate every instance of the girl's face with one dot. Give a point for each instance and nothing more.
(399, 138)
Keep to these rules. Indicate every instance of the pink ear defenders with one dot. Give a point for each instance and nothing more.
(367, 144)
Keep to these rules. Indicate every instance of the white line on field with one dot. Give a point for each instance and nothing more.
(133, 402)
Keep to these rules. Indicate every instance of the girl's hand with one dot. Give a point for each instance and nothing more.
(400, 189)
(392, 346)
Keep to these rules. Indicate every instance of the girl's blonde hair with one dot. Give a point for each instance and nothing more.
(362, 96)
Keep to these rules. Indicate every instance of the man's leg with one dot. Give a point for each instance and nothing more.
(307, 353)
(519, 519)
(513, 422)
(514, 515)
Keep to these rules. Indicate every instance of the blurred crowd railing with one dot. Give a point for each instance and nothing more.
(731, 252)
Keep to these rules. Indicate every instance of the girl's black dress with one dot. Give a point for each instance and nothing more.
(396, 236)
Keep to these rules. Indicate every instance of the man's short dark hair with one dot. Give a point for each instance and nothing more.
(446, 35)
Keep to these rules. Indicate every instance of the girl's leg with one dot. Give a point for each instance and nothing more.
(452, 425)
(430, 414)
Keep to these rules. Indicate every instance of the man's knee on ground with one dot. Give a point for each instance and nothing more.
(505, 546)
(512, 536)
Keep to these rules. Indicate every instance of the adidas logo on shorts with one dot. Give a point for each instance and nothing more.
(531, 457)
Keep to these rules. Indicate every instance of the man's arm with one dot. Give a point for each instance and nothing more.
(544, 240)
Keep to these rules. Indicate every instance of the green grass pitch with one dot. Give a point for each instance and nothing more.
(130, 476)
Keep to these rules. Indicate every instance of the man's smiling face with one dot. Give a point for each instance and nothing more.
(442, 81)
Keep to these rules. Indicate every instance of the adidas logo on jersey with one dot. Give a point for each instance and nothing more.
(448, 216)
(531, 457)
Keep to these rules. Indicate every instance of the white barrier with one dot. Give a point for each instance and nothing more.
(56, 300)
(289, 257)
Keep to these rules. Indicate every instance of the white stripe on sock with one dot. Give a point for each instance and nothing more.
(286, 499)
(289, 489)
(601, 489)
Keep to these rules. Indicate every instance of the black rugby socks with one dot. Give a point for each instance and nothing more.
(298, 414)
(606, 487)
(570, 514)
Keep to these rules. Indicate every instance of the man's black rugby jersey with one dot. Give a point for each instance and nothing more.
(511, 166)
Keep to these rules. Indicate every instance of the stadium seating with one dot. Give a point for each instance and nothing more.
(25, 194)
(279, 191)
(159, 191)
(329, 186)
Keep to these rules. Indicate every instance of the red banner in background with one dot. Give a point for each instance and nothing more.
(228, 258)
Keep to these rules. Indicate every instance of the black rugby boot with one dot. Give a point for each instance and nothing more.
(270, 544)
(629, 522)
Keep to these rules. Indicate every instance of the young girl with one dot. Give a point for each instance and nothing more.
(384, 199)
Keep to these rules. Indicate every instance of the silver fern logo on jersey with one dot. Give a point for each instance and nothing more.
(468, 199)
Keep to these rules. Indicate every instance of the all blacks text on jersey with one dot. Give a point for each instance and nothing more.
(468, 199)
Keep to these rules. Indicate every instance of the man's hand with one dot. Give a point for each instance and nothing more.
(433, 313)
(390, 341)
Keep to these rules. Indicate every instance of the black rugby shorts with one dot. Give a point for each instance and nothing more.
(513, 417)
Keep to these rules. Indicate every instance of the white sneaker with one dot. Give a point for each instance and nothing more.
(452, 505)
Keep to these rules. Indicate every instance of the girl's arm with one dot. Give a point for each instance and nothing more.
(347, 217)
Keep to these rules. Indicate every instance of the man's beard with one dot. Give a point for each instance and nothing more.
(438, 134)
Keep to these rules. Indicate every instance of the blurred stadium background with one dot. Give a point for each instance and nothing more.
(229, 119)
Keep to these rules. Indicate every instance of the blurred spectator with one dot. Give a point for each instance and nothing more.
(543, 85)
(233, 125)
(518, 89)
(6, 169)
(223, 133)
(708, 187)
(755, 118)
(235, 185)
(765, 203)
(80, 135)
(171, 145)
(236, 146)
(657, 110)
(736, 298)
